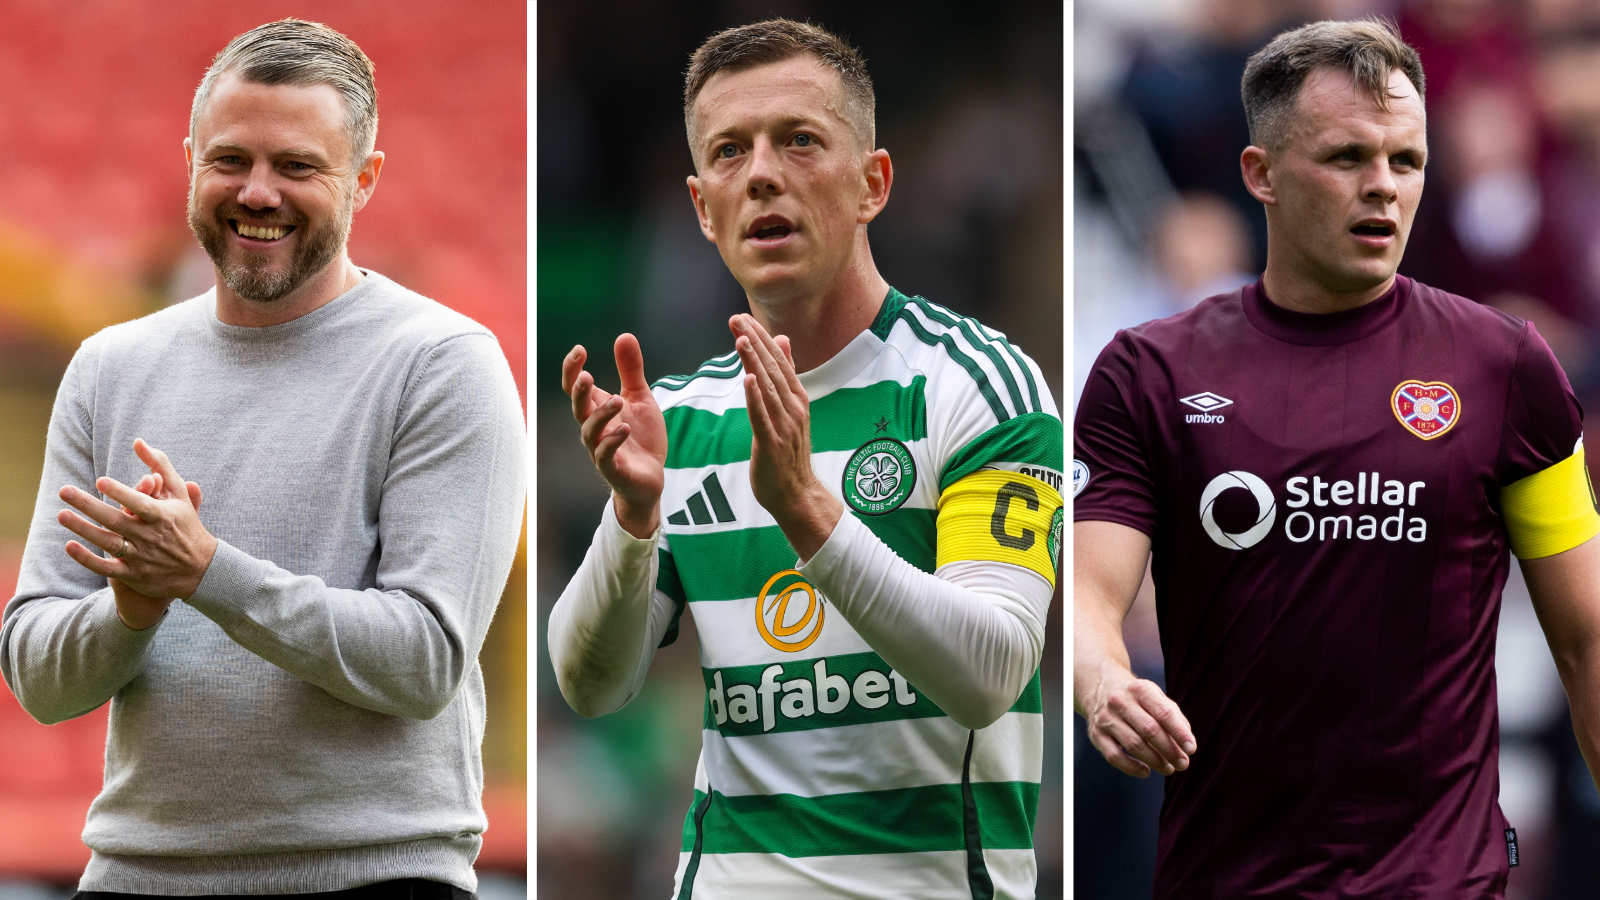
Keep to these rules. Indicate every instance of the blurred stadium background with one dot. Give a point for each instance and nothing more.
(970, 108)
(92, 232)
(1510, 217)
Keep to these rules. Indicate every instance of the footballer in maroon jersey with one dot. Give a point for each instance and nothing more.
(1330, 468)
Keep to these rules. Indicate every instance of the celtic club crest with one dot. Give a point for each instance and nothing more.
(879, 476)
(1053, 542)
(1427, 409)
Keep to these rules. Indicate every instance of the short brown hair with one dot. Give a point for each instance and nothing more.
(776, 40)
(303, 54)
(1367, 50)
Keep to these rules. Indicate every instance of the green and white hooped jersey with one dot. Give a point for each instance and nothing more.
(823, 772)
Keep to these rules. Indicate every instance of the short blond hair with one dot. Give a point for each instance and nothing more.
(773, 41)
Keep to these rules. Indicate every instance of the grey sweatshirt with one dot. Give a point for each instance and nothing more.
(312, 718)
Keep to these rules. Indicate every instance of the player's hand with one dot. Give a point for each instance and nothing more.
(624, 433)
(157, 544)
(780, 447)
(1137, 727)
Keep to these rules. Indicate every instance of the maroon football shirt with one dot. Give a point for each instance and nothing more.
(1321, 492)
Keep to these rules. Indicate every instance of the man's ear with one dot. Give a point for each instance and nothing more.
(367, 180)
(700, 209)
(188, 153)
(878, 172)
(1255, 166)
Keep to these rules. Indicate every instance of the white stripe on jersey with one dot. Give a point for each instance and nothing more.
(901, 754)
(869, 876)
(725, 626)
(978, 352)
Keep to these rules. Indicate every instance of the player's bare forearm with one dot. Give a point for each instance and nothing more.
(1108, 564)
(1580, 675)
(1133, 724)
(1099, 653)
(1565, 589)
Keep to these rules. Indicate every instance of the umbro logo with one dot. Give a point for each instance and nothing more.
(1205, 401)
(697, 508)
(1208, 404)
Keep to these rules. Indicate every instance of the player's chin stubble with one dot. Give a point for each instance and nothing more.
(251, 275)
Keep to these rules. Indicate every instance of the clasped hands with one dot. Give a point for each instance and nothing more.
(626, 437)
(158, 549)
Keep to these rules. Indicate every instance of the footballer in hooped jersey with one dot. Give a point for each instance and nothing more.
(1328, 470)
(860, 505)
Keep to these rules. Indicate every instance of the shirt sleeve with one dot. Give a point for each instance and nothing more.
(613, 614)
(1543, 419)
(452, 506)
(670, 587)
(999, 467)
(1546, 496)
(63, 649)
(1111, 479)
(970, 636)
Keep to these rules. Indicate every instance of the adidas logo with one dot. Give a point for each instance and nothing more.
(697, 508)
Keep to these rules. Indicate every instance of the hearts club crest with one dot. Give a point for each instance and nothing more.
(1427, 409)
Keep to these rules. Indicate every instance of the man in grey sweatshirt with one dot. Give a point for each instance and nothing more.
(296, 702)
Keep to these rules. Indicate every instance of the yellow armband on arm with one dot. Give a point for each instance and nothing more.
(1551, 511)
(999, 516)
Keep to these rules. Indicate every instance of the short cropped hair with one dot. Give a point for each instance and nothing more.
(303, 54)
(776, 40)
(1367, 50)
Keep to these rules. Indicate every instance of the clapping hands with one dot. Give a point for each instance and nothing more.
(158, 549)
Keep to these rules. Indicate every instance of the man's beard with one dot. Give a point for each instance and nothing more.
(251, 275)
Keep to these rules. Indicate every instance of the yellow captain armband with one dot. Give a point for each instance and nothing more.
(1551, 511)
(999, 516)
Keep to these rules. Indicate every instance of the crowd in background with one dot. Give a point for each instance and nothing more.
(1510, 217)
(970, 108)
